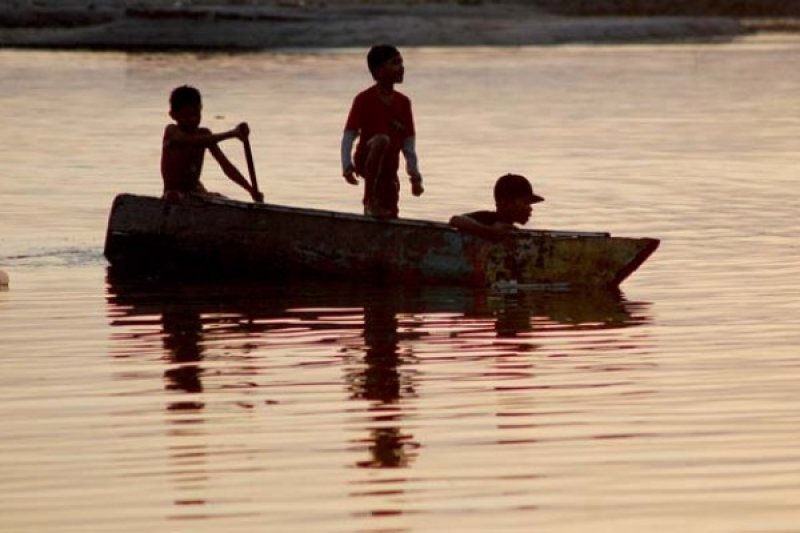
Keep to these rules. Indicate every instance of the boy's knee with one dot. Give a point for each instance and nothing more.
(378, 142)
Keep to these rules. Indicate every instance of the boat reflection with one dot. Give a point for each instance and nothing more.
(381, 331)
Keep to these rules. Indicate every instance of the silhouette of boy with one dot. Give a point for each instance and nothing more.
(382, 120)
(184, 146)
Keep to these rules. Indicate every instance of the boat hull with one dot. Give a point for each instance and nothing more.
(200, 235)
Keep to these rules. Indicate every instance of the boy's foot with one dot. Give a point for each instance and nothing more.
(378, 212)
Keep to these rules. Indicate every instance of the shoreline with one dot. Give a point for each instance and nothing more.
(220, 25)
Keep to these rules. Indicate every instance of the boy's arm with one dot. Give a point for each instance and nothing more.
(412, 168)
(348, 170)
(468, 224)
(203, 136)
(233, 173)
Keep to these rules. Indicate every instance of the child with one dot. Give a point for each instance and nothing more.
(513, 197)
(381, 118)
(184, 146)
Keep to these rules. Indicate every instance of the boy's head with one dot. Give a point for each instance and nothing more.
(185, 106)
(514, 196)
(385, 63)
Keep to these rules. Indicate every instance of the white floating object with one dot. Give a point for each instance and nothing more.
(506, 285)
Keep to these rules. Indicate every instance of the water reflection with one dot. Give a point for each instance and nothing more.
(182, 328)
(250, 339)
(378, 328)
(385, 378)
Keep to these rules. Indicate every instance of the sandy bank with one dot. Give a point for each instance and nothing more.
(114, 24)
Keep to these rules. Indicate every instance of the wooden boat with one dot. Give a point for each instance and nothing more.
(218, 235)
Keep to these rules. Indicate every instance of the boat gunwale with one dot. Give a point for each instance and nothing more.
(356, 217)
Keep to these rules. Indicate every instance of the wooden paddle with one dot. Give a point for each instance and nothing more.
(251, 168)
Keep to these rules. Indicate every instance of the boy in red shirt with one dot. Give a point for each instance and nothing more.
(382, 120)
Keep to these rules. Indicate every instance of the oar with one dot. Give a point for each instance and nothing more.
(251, 168)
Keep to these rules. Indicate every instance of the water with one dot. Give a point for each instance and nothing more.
(328, 407)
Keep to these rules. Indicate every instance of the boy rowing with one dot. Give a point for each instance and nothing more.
(184, 146)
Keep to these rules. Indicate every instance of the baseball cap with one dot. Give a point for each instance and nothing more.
(515, 186)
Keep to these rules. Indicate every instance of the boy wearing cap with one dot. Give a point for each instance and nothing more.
(513, 198)
(381, 118)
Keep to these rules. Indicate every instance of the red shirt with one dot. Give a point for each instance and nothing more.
(370, 115)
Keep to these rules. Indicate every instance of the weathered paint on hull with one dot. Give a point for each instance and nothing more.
(263, 239)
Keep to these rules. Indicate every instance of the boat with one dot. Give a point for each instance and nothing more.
(220, 236)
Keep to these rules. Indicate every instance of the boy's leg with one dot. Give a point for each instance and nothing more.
(376, 149)
(381, 184)
(387, 195)
(377, 146)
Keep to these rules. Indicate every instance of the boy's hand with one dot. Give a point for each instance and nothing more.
(416, 185)
(242, 131)
(350, 175)
(502, 231)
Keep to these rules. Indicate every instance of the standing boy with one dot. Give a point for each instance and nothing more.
(513, 198)
(381, 118)
(184, 146)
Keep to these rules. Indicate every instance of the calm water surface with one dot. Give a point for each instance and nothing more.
(326, 407)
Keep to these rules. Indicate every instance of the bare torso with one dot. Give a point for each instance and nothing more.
(181, 163)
